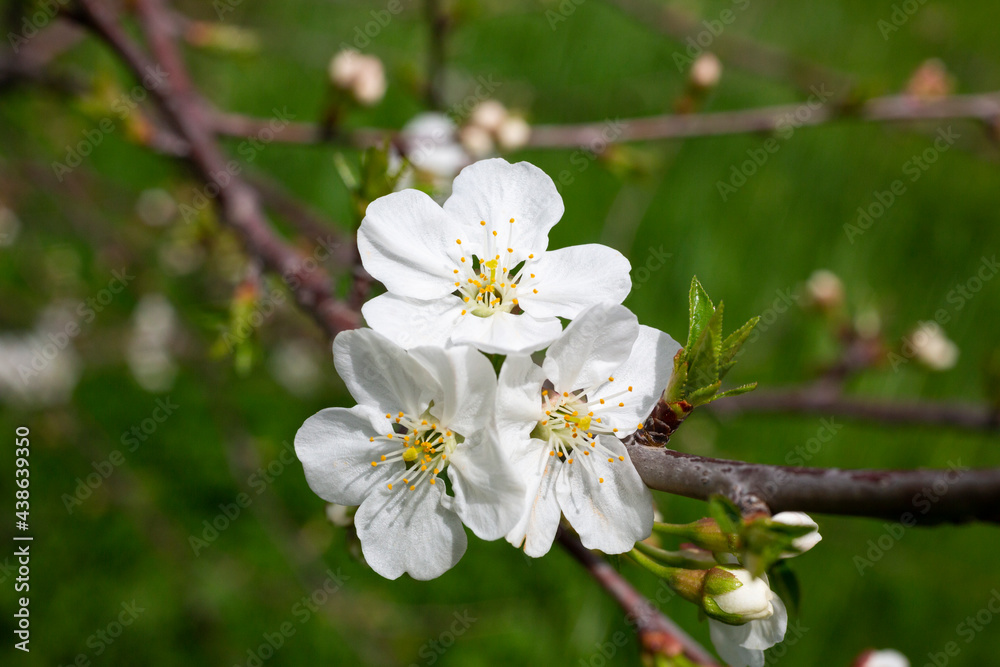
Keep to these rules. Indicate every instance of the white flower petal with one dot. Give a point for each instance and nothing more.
(412, 322)
(519, 399)
(647, 370)
(504, 333)
(381, 374)
(805, 542)
(409, 531)
(495, 191)
(744, 645)
(611, 516)
(571, 279)
(488, 494)
(536, 528)
(468, 385)
(591, 348)
(407, 242)
(336, 454)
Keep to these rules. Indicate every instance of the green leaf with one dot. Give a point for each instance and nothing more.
(703, 356)
(701, 310)
(733, 344)
(725, 513)
(736, 391)
(703, 395)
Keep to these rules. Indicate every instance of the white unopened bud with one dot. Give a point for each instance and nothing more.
(514, 133)
(360, 75)
(802, 543)
(706, 71)
(489, 115)
(887, 658)
(825, 289)
(751, 601)
(476, 140)
(340, 515)
(933, 348)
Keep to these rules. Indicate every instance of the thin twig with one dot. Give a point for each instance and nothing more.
(657, 634)
(238, 202)
(984, 107)
(736, 50)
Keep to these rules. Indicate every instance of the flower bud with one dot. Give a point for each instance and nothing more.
(489, 115)
(733, 595)
(476, 140)
(887, 658)
(706, 71)
(341, 515)
(931, 81)
(360, 75)
(802, 543)
(933, 348)
(825, 290)
(514, 133)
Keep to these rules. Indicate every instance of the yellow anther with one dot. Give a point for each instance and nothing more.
(514, 301)
(389, 436)
(535, 291)
(531, 256)
(388, 416)
(413, 488)
(569, 461)
(621, 405)
(630, 388)
(423, 422)
(639, 427)
(448, 433)
(436, 471)
(552, 453)
(371, 439)
(602, 401)
(458, 284)
(510, 250)
(463, 312)
(600, 480)
(512, 220)
(565, 394)
(467, 299)
(545, 392)
(611, 379)
(482, 222)
(614, 430)
(410, 454)
(374, 464)
(621, 458)
(561, 454)
(532, 275)
(610, 460)
(382, 458)
(433, 481)
(463, 260)
(458, 241)
(494, 232)
(389, 486)
(586, 453)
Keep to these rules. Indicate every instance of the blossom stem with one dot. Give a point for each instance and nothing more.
(673, 558)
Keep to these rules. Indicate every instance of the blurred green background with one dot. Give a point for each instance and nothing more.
(159, 338)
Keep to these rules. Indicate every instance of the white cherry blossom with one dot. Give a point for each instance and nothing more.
(477, 270)
(422, 416)
(562, 422)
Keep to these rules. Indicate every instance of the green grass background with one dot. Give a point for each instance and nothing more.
(130, 540)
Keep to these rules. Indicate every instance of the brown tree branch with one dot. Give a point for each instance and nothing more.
(984, 107)
(923, 497)
(657, 634)
(810, 401)
(238, 202)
